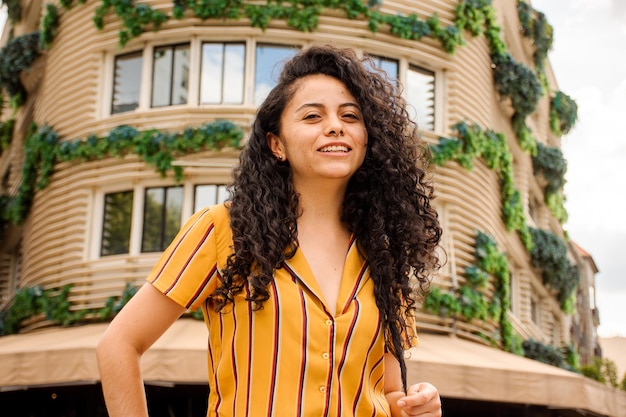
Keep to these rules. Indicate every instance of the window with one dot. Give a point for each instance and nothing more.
(222, 75)
(269, 63)
(116, 226)
(209, 195)
(126, 82)
(390, 66)
(161, 218)
(420, 94)
(170, 75)
(534, 309)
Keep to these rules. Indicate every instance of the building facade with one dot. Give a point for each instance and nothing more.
(121, 119)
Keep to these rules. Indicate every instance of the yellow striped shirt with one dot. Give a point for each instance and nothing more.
(291, 358)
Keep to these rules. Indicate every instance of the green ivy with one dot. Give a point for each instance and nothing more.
(6, 134)
(469, 300)
(552, 166)
(56, 307)
(135, 18)
(563, 113)
(17, 55)
(14, 10)
(511, 78)
(472, 143)
(540, 32)
(550, 163)
(49, 26)
(550, 256)
(43, 150)
(546, 354)
(30, 301)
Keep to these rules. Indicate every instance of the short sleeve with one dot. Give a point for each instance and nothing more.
(187, 271)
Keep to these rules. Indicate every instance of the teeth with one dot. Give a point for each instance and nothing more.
(334, 149)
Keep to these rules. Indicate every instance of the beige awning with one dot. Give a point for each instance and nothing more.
(458, 368)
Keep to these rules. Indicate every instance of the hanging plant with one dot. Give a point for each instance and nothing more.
(518, 82)
(17, 55)
(550, 256)
(563, 113)
(552, 166)
(49, 26)
(535, 26)
(14, 10)
(6, 134)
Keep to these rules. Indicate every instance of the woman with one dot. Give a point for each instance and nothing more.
(306, 277)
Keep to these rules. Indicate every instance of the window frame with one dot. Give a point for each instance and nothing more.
(173, 48)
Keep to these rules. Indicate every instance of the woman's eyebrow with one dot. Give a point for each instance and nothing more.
(321, 106)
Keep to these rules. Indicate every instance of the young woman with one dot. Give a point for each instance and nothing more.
(307, 276)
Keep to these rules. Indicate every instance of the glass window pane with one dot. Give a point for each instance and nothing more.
(153, 219)
(269, 63)
(173, 213)
(222, 73)
(126, 83)
(180, 80)
(390, 66)
(420, 94)
(208, 195)
(234, 57)
(162, 216)
(170, 75)
(116, 225)
(161, 76)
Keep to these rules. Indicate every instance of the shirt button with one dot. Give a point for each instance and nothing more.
(322, 388)
(329, 322)
(325, 355)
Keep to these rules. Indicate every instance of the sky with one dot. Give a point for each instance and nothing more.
(588, 58)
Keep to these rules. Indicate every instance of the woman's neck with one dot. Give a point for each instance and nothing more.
(321, 204)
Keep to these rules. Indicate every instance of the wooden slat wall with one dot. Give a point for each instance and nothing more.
(56, 237)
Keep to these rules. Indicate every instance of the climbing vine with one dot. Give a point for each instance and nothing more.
(471, 143)
(550, 164)
(17, 55)
(549, 255)
(54, 304)
(469, 300)
(43, 150)
(563, 113)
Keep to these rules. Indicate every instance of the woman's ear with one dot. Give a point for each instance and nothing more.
(275, 145)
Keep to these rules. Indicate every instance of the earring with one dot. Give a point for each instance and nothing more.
(280, 157)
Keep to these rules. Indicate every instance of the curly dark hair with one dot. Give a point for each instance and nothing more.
(386, 206)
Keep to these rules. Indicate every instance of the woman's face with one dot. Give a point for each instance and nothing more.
(322, 132)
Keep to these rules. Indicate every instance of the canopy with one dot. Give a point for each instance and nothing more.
(458, 368)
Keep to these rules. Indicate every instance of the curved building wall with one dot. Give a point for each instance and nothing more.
(63, 234)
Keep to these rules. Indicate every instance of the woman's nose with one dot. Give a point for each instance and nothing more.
(334, 128)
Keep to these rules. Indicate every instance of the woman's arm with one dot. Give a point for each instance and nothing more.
(140, 323)
(421, 399)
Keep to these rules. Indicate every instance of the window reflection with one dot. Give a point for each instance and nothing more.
(162, 217)
(420, 94)
(126, 83)
(116, 225)
(390, 66)
(170, 75)
(222, 74)
(206, 195)
(269, 63)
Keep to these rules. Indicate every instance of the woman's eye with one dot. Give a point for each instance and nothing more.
(311, 116)
(351, 116)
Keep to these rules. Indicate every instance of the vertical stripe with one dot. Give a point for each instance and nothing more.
(303, 351)
(250, 347)
(275, 358)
